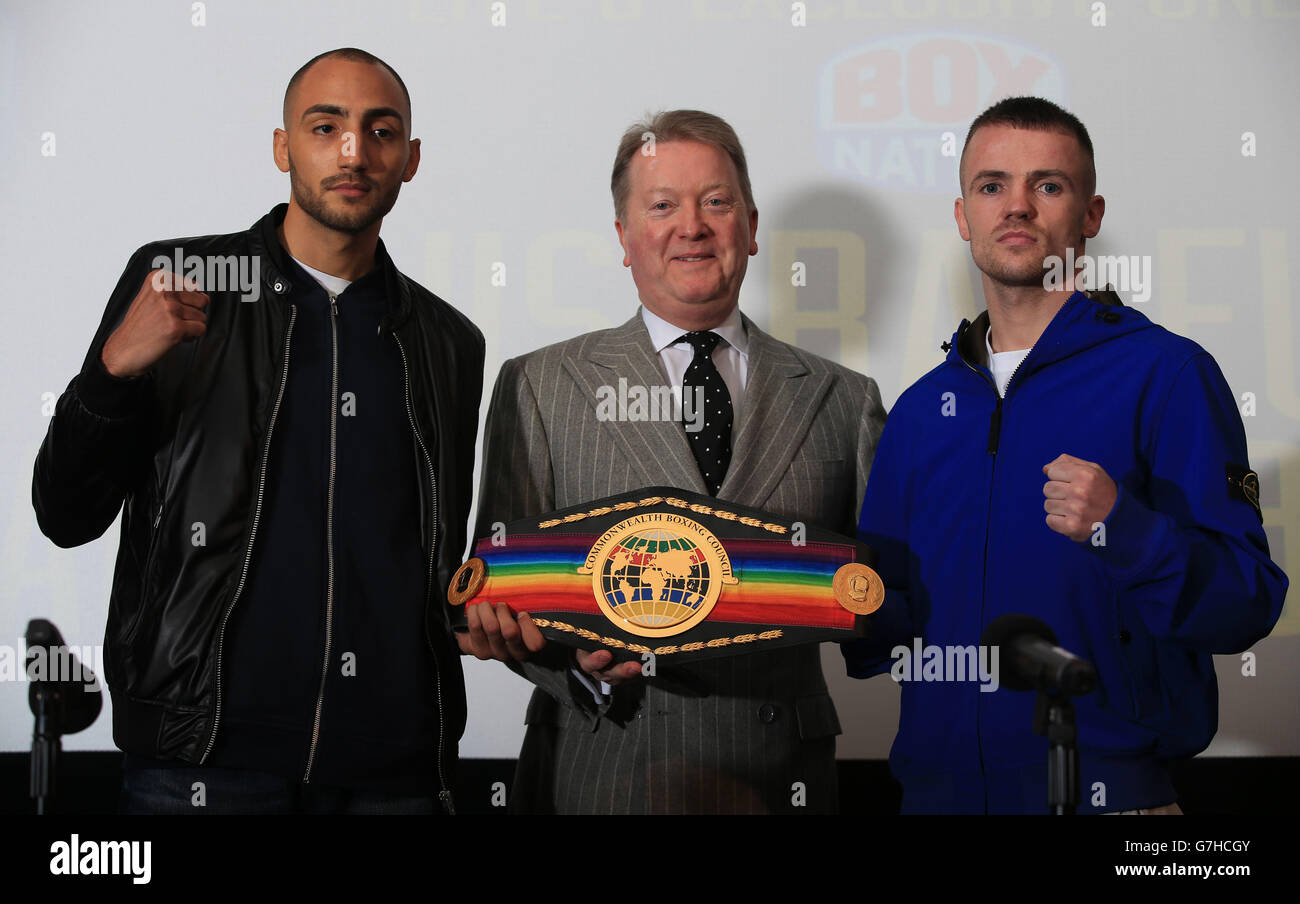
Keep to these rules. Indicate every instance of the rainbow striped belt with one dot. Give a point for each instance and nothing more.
(667, 572)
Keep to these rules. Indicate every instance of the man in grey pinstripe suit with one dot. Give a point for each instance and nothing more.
(753, 733)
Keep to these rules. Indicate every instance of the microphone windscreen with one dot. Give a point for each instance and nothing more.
(42, 633)
(1004, 628)
(75, 699)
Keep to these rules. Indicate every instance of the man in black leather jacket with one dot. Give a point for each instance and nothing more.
(287, 424)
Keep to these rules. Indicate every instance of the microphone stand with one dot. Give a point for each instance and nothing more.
(47, 744)
(62, 704)
(1054, 719)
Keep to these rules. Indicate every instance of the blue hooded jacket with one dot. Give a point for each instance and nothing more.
(1180, 571)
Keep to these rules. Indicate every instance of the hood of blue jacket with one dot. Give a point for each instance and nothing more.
(1084, 321)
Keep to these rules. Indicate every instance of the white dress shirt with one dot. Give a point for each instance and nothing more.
(730, 356)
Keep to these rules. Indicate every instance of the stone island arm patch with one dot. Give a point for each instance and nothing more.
(1243, 484)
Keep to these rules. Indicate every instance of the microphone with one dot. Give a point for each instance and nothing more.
(1031, 659)
(70, 696)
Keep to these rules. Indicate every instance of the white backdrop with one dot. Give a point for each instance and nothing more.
(133, 121)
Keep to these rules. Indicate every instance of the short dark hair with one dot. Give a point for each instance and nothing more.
(677, 125)
(1039, 115)
(356, 55)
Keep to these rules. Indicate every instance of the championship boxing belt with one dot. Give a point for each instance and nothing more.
(673, 573)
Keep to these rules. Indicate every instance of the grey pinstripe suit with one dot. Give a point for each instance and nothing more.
(727, 735)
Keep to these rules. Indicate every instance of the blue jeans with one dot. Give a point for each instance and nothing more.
(212, 791)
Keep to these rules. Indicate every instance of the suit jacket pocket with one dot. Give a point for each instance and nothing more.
(543, 709)
(817, 718)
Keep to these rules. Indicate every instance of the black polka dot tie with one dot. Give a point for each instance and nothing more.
(712, 442)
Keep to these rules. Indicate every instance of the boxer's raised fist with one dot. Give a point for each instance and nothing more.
(166, 311)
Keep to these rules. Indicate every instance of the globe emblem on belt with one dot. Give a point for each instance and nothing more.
(657, 575)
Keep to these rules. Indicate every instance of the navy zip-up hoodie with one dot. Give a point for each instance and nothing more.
(954, 507)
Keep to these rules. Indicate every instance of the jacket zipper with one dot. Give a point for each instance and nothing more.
(995, 421)
(995, 432)
(153, 542)
(329, 529)
(161, 493)
(147, 574)
(444, 795)
(252, 534)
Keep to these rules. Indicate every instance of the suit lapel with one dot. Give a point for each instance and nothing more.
(781, 400)
(658, 449)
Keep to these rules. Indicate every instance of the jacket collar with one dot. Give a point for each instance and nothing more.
(783, 396)
(658, 449)
(1086, 319)
(278, 273)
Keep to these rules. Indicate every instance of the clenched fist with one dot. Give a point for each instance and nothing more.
(166, 311)
(1079, 494)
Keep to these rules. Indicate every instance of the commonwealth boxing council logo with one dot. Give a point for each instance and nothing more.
(657, 575)
(884, 107)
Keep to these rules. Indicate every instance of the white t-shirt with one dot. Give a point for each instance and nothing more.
(333, 285)
(1003, 364)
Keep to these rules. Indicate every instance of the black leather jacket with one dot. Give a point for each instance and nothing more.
(192, 437)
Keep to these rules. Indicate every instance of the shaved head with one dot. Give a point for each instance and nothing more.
(345, 53)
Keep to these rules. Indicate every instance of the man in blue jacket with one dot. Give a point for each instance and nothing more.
(1069, 460)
